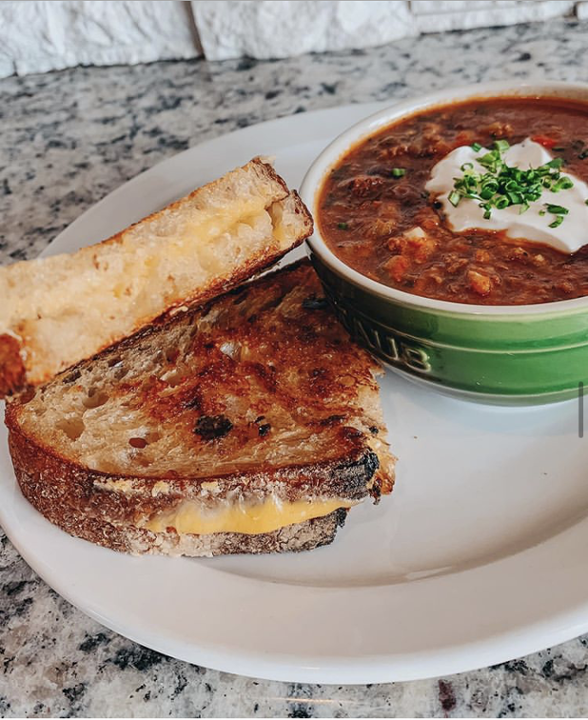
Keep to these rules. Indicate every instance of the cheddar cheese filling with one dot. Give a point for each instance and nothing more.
(190, 517)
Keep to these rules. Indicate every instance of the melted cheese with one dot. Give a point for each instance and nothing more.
(190, 517)
(117, 277)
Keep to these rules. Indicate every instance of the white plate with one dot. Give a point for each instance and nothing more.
(476, 558)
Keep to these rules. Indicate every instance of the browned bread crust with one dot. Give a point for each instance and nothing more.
(260, 394)
(68, 497)
(69, 492)
(12, 369)
(56, 311)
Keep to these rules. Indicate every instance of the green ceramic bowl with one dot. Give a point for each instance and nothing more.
(525, 354)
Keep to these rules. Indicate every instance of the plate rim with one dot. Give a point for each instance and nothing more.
(539, 634)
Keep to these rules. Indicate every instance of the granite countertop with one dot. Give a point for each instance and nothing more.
(68, 139)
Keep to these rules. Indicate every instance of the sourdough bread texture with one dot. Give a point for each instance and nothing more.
(257, 400)
(59, 310)
(63, 502)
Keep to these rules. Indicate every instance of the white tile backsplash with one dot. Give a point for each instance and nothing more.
(282, 28)
(473, 15)
(38, 35)
(42, 35)
(422, 7)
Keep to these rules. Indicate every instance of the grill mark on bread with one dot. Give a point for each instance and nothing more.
(264, 429)
(335, 459)
(213, 427)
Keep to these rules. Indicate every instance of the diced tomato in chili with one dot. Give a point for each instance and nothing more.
(405, 241)
(544, 140)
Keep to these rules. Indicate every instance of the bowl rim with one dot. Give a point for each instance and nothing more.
(371, 124)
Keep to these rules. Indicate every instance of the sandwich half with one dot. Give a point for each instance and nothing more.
(59, 310)
(251, 424)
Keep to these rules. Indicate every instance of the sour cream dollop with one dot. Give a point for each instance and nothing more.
(568, 237)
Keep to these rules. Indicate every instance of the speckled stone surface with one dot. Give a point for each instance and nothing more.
(69, 138)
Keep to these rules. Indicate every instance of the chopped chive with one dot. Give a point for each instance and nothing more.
(398, 172)
(557, 210)
(490, 184)
(563, 183)
(501, 145)
(454, 198)
(555, 163)
(583, 155)
(514, 198)
(488, 159)
(501, 186)
(586, 202)
(476, 147)
(557, 222)
(343, 226)
(559, 149)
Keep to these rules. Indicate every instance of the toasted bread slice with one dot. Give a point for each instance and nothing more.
(59, 310)
(251, 424)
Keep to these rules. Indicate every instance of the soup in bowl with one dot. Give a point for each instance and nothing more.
(452, 236)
